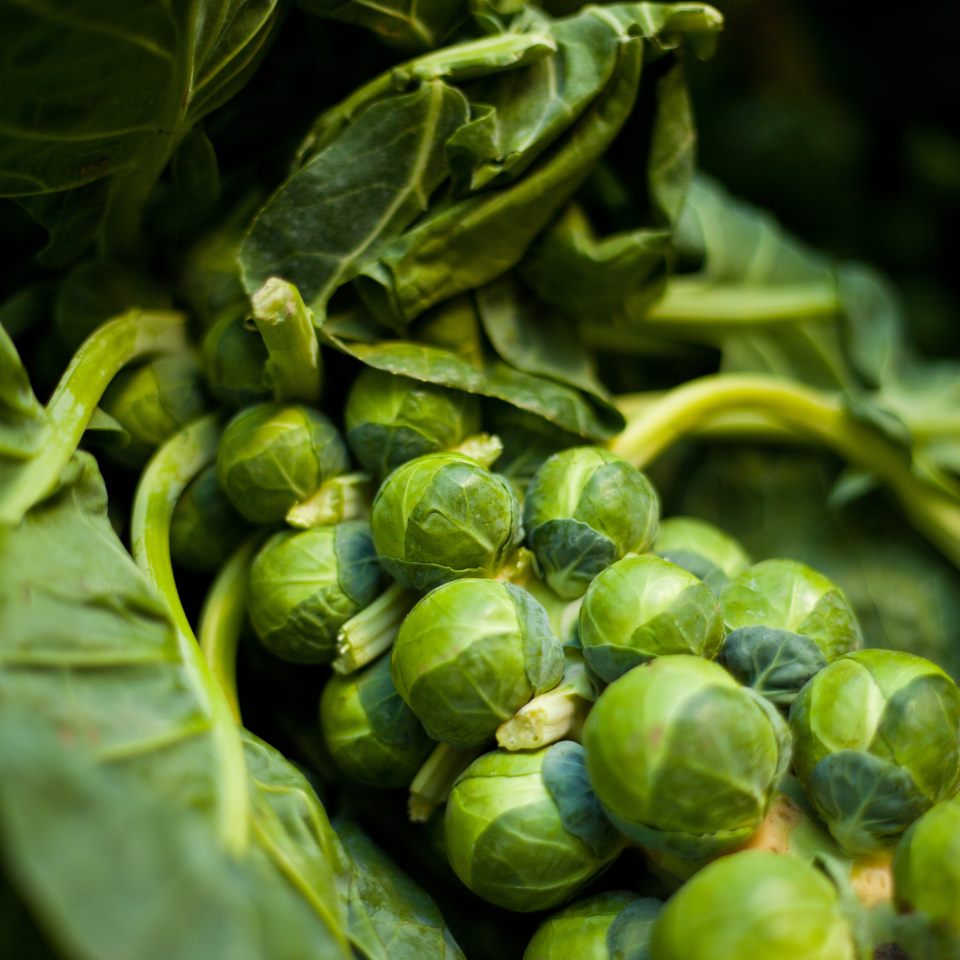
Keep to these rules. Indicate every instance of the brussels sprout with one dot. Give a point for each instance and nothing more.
(754, 905)
(877, 743)
(609, 926)
(305, 585)
(205, 529)
(371, 733)
(443, 517)
(152, 402)
(392, 419)
(470, 654)
(784, 623)
(926, 867)
(585, 509)
(702, 548)
(524, 830)
(645, 607)
(235, 360)
(683, 758)
(274, 456)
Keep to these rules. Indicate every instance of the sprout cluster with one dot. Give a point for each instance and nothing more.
(554, 673)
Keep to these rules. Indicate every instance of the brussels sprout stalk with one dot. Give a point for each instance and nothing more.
(371, 632)
(222, 618)
(74, 400)
(434, 781)
(347, 497)
(556, 715)
(170, 470)
(485, 448)
(682, 411)
(294, 365)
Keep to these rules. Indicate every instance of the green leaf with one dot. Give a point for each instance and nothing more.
(462, 245)
(459, 358)
(117, 803)
(338, 211)
(565, 777)
(391, 917)
(98, 96)
(23, 423)
(407, 24)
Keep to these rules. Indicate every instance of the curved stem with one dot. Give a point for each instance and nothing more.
(76, 396)
(222, 618)
(811, 414)
(167, 474)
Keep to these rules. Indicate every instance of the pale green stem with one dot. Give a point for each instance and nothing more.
(809, 413)
(372, 631)
(347, 497)
(484, 448)
(286, 325)
(434, 780)
(74, 401)
(222, 617)
(166, 476)
(555, 715)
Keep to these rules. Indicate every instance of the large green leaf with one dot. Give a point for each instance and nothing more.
(350, 199)
(98, 94)
(391, 917)
(137, 821)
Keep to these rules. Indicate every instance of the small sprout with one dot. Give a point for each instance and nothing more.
(683, 758)
(702, 548)
(234, 360)
(524, 830)
(645, 607)
(585, 509)
(443, 517)
(785, 622)
(273, 456)
(152, 402)
(607, 926)
(470, 654)
(372, 735)
(205, 529)
(926, 868)
(305, 585)
(876, 744)
(392, 419)
(754, 905)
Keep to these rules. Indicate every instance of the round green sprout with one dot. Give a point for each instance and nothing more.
(372, 735)
(392, 419)
(702, 548)
(784, 623)
(645, 607)
(877, 743)
(305, 585)
(152, 402)
(926, 867)
(235, 360)
(524, 831)
(470, 654)
(585, 508)
(754, 905)
(683, 758)
(603, 927)
(273, 456)
(205, 529)
(443, 517)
